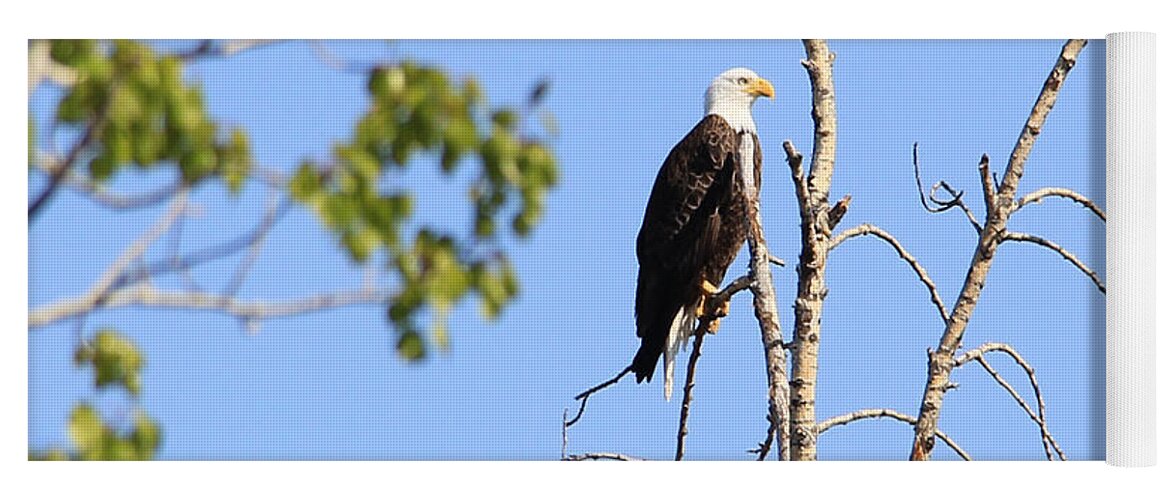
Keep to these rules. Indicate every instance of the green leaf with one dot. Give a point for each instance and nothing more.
(305, 184)
(86, 430)
(146, 436)
(72, 52)
(115, 360)
(504, 118)
(54, 454)
(410, 346)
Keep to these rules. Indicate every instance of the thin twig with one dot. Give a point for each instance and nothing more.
(585, 396)
(602, 456)
(1065, 254)
(685, 408)
(274, 212)
(867, 229)
(940, 205)
(795, 158)
(1039, 418)
(1039, 195)
(765, 446)
(210, 48)
(840, 420)
(989, 185)
(109, 279)
(63, 169)
(208, 254)
(99, 194)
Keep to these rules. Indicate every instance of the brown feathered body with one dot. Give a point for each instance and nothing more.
(695, 223)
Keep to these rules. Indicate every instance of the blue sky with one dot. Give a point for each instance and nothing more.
(330, 386)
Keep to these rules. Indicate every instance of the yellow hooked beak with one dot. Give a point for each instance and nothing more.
(761, 87)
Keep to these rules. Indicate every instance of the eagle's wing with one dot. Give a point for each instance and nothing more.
(679, 232)
(681, 192)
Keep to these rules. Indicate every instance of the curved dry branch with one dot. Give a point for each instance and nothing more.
(867, 229)
(940, 205)
(1065, 254)
(601, 456)
(978, 353)
(99, 194)
(869, 413)
(1039, 195)
(585, 395)
(248, 311)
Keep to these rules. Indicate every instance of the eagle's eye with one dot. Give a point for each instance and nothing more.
(742, 81)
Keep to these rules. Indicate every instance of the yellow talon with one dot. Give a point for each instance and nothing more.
(709, 288)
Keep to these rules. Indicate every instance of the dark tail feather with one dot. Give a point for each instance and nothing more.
(646, 359)
(657, 301)
(654, 337)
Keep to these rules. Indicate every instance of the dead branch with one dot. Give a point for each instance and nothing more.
(1039, 195)
(1065, 254)
(765, 446)
(799, 181)
(718, 299)
(938, 205)
(585, 396)
(978, 353)
(867, 229)
(840, 420)
(685, 408)
(602, 456)
(999, 201)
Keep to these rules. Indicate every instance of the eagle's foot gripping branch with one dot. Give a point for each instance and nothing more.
(702, 308)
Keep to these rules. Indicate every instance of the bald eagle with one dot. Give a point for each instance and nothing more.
(695, 220)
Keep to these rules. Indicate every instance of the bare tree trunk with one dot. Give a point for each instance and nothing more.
(999, 202)
(817, 222)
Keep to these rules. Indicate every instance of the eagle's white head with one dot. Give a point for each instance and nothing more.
(731, 95)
